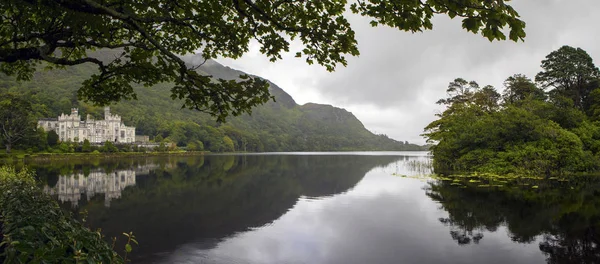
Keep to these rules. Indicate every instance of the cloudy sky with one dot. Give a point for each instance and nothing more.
(393, 85)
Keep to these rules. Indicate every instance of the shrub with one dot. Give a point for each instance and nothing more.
(109, 147)
(87, 146)
(65, 147)
(195, 145)
(36, 230)
(161, 147)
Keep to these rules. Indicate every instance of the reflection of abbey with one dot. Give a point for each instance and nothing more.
(70, 188)
(72, 128)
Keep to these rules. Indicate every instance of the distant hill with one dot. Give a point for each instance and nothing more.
(282, 125)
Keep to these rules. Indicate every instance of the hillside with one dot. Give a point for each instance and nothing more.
(280, 125)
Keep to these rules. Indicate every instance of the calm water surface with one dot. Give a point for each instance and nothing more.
(323, 208)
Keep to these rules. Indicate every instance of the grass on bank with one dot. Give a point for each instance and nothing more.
(22, 155)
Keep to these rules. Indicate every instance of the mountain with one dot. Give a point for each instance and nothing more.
(280, 125)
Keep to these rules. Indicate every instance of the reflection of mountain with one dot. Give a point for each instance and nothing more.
(70, 187)
(565, 217)
(206, 199)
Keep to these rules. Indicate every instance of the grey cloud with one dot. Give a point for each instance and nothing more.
(393, 84)
(394, 66)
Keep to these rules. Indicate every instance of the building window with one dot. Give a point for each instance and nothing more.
(122, 133)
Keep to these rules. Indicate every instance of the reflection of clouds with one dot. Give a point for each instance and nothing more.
(384, 219)
(379, 180)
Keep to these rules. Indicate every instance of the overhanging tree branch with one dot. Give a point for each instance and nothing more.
(151, 35)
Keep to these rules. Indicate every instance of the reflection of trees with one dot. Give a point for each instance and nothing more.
(468, 216)
(213, 197)
(463, 235)
(576, 238)
(565, 220)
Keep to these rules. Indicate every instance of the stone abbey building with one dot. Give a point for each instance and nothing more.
(72, 128)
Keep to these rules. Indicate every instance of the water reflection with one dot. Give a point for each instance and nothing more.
(203, 200)
(334, 208)
(561, 218)
(71, 187)
(383, 219)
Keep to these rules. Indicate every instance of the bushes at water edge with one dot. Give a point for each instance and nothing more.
(36, 230)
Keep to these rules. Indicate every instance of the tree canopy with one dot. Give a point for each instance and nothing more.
(151, 35)
(571, 72)
(16, 119)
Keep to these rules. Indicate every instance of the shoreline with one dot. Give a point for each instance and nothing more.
(45, 157)
(88, 156)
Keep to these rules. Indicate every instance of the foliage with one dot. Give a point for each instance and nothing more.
(34, 141)
(130, 240)
(149, 36)
(36, 230)
(228, 144)
(518, 88)
(108, 147)
(16, 119)
(65, 147)
(52, 138)
(195, 146)
(161, 147)
(86, 147)
(531, 132)
(571, 72)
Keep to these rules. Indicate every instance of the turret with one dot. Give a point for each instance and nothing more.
(106, 112)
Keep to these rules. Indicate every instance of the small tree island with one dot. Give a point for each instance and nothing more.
(547, 128)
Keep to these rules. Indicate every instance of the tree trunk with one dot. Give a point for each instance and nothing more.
(8, 146)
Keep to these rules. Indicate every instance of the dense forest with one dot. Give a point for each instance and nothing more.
(279, 125)
(547, 127)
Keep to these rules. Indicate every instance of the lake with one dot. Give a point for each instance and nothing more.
(358, 207)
